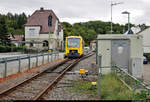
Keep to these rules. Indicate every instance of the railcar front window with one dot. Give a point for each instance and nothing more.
(73, 42)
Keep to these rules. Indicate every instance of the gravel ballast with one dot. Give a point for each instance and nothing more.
(62, 90)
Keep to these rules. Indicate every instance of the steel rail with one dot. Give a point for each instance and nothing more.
(9, 90)
(58, 78)
(13, 88)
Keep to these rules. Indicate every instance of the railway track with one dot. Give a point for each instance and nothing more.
(35, 87)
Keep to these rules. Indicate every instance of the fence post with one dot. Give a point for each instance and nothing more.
(113, 69)
(148, 91)
(43, 59)
(123, 74)
(58, 55)
(37, 60)
(99, 77)
(55, 56)
(51, 57)
(134, 86)
(29, 61)
(19, 70)
(48, 58)
(5, 71)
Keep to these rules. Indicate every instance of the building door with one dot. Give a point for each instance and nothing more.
(120, 53)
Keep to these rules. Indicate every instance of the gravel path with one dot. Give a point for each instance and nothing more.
(61, 92)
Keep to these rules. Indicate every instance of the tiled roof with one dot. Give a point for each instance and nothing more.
(17, 38)
(143, 30)
(40, 18)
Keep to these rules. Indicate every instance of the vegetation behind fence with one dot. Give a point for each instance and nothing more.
(141, 89)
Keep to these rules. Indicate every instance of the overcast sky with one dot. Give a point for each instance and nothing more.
(83, 10)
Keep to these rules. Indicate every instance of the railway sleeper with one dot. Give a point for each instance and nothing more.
(64, 86)
(52, 72)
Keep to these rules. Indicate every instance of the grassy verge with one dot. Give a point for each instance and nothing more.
(111, 89)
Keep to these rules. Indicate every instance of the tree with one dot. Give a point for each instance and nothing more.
(67, 29)
(142, 26)
(4, 38)
(91, 35)
(90, 30)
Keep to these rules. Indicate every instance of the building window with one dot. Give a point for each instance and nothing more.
(45, 43)
(32, 31)
(31, 44)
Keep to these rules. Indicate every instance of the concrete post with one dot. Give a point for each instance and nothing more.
(5, 71)
(58, 55)
(48, 57)
(43, 59)
(37, 60)
(19, 69)
(29, 57)
(99, 76)
(55, 56)
(51, 57)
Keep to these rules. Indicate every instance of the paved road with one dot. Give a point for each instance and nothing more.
(146, 73)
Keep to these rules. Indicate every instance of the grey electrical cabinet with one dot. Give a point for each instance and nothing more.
(136, 69)
(121, 50)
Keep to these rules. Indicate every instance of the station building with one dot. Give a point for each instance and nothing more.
(44, 26)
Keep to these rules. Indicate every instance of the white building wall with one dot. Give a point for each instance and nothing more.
(35, 36)
(146, 40)
(61, 35)
(44, 36)
(36, 32)
(56, 30)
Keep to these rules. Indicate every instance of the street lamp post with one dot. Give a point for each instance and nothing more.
(113, 4)
(125, 12)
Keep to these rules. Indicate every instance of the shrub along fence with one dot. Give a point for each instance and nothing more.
(130, 81)
(12, 48)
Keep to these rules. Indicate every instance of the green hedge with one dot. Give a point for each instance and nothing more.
(4, 48)
(8, 48)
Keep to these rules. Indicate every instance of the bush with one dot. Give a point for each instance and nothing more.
(2, 48)
(15, 48)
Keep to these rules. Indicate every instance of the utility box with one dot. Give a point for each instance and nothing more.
(136, 65)
(125, 51)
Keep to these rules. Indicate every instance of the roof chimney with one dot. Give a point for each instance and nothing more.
(41, 8)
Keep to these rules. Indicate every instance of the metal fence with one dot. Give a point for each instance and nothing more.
(130, 81)
(134, 84)
(12, 65)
